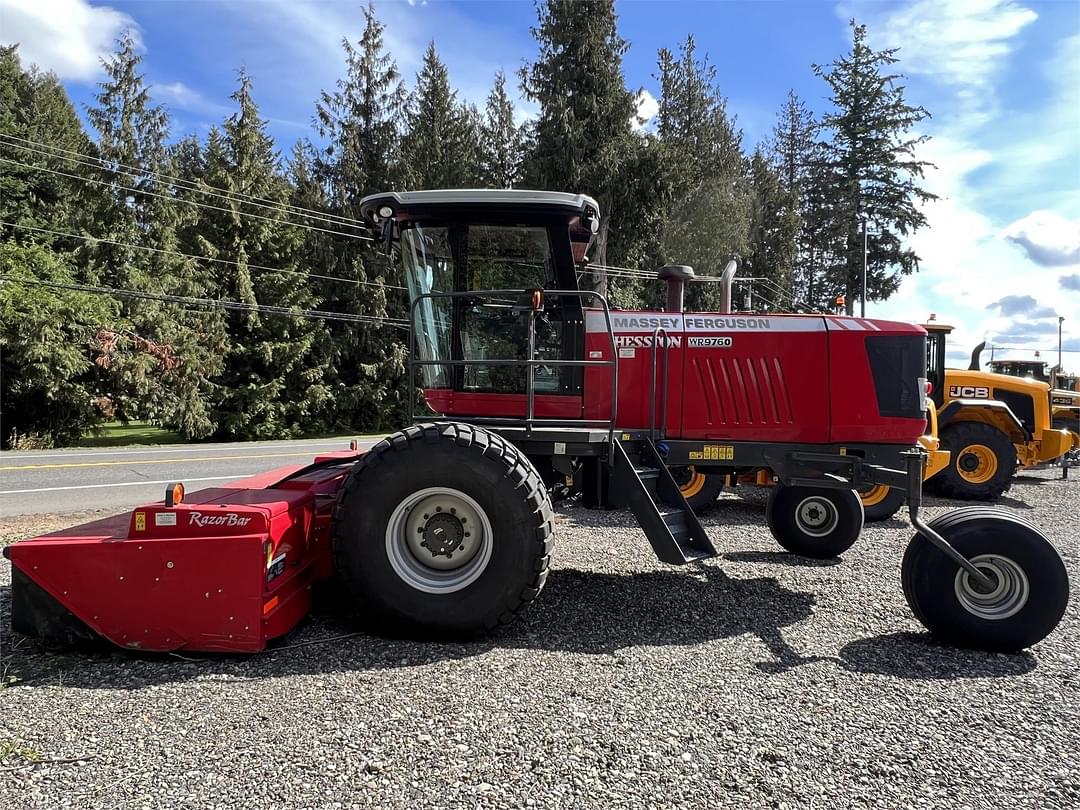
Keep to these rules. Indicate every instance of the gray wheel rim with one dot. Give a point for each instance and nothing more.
(816, 516)
(1010, 593)
(438, 540)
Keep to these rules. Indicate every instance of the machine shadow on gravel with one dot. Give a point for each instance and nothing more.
(781, 558)
(919, 657)
(583, 612)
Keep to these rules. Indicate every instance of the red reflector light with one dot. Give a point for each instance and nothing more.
(270, 605)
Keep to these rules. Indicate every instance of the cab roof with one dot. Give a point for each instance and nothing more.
(419, 204)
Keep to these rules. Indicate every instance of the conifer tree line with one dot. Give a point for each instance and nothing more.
(222, 287)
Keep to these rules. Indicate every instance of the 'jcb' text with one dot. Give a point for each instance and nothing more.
(969, 391)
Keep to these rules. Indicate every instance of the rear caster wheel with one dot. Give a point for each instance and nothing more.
(816, 522)
(698, 489)
(880, 502)
(442, 531)
(1031, 586)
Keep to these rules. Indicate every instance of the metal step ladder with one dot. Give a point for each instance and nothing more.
(644, 483)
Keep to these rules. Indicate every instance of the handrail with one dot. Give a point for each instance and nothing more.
(654, 432)
(530, 362)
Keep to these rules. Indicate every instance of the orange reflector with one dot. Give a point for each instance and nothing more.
(270, 605)
(538, 299)
(174, 494)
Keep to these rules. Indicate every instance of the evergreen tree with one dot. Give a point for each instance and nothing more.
(37, 121)
(47, 338)
(269, 388)
(440, 146)
(359, 123)
(582, 136)
(160, 357)
(774, 226)
(870, 164)
(795, 156)
(708, 200)
(502, 140)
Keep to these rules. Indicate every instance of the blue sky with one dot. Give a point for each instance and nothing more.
(1001, 258)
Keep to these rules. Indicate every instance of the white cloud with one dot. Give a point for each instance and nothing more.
(1047, 238)
(970, 262)
(68, 37)
(178, 94)
(647, 108)
(964, 43)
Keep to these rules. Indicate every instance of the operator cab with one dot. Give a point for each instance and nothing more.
(453, 242)
(936, 335)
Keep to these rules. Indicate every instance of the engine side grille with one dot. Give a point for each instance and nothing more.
(744, 390)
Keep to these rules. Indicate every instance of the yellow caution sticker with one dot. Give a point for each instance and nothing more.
(140, 521)
(713, 452)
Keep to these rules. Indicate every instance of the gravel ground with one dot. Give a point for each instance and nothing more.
(754, 680)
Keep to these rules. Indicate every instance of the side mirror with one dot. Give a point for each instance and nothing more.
(388, 235)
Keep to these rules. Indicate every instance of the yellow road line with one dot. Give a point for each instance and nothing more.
(309, 454)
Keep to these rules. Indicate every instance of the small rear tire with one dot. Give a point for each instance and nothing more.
(699, 489)
(1032, 584)
(880, 502)
(817, 522)
(442, 531)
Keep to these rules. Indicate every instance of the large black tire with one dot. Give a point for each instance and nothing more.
(1034, 584)
(880, 502)
(422, 495)
(817, 522)
(699, 489)
(982, 464)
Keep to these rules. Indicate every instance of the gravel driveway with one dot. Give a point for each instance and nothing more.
(754, 680)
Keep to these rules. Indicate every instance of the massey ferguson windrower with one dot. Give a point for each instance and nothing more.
(445, 529)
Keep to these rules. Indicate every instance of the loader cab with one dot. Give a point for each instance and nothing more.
(1024, 369)
(471, 350)
(936, 339)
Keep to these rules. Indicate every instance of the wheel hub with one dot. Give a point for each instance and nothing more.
(816, 516)
(438, 540)
(1008, 595)
(977, 464)
(969, 462)
(443, 534)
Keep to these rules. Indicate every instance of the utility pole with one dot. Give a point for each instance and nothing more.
(1061, 320)
(862, 302)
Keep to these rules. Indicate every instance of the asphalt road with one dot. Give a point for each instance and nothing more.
(60, 481)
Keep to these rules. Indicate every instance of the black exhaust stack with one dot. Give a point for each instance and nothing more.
(676, 276)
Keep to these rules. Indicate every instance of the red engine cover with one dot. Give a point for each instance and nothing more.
(762, 378)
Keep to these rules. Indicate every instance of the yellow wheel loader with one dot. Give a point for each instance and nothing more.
(990, 423)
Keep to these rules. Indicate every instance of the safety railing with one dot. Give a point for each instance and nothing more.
(656, 431)
(533, 306)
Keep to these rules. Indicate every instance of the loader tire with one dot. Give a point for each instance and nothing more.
(982, 464)
(817, 522)
(880, 502)
(698, 489)
(1032, 585)
(442, 531)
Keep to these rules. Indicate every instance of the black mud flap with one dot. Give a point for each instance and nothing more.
(35, 613)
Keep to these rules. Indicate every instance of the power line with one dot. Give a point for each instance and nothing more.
(211, 303)
(189, 185)
(303, 273)
(172, 199)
